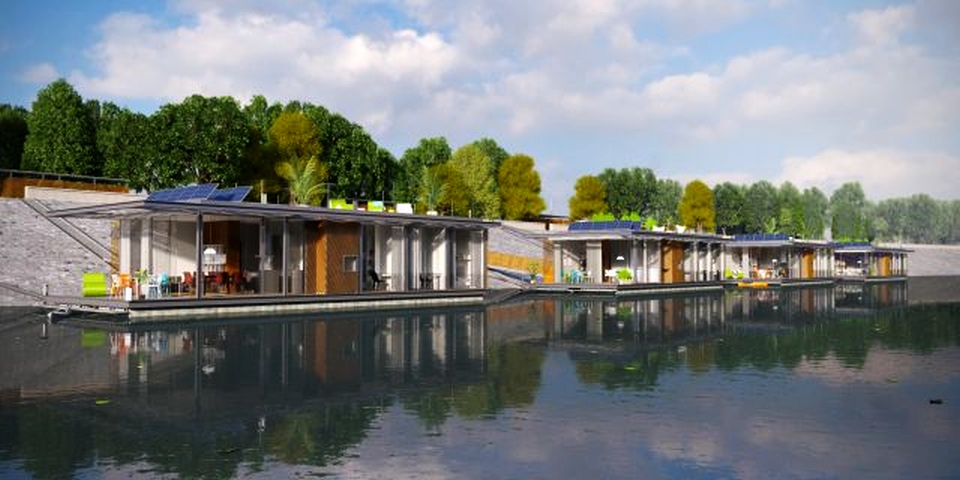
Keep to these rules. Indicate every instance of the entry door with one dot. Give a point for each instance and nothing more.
(807, 265)
(672, 255)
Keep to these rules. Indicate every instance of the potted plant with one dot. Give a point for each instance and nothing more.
(141, 276)
(624, 275)
(534, 269)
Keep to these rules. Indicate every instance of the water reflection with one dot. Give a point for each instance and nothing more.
(236, 399)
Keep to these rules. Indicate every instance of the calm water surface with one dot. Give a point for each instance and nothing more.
(846, 382)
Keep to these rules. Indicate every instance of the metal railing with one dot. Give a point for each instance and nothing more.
(8, 173)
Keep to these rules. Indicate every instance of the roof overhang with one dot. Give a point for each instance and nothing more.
(143, 209)
(628, 234)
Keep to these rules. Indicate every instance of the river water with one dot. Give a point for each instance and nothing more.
(844, 382)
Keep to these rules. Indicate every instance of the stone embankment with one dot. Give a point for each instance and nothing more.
(34, 252)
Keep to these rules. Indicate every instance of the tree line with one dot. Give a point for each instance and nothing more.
(762, 207)
(295, 152)
(303, 153)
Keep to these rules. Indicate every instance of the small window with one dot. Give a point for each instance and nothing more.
(350, 263)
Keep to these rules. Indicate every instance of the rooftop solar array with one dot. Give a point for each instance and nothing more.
(235, 194)
(761, 237)
(198, 193)
(608, 225)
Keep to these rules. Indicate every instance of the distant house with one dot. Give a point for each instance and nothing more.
(778, 255)
(625, 252)
(865, 261)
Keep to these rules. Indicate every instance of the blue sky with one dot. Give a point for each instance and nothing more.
(813, 92)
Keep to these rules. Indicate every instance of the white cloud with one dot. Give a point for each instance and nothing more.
(882, 173)
(40, 73)
(882, 27)
(529, 73)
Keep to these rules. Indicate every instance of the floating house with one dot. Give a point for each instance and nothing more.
(202, 242)
(778, 256)
(865, 261)
(625, 252)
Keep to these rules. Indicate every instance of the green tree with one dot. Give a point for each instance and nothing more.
(926, 219)
(494, 152)
(729, 200)
(791, 218)
(124, 139)
(666, 201)
(520, 189)
(261, 116)
(848, 209)
(815, 205)
(479, 178)
(589, 198)
(629, 191)
(13, 134)
(760, 209)
(428, 153)
(697, 208)
(294, 135)
(260, 157)
(62, 135)
(199, 140)
(455, 198)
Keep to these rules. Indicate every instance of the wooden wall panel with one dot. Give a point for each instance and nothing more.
(807, 270)
(339, 240)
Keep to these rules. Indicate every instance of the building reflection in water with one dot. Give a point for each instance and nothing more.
(689, 317)
(229, 366)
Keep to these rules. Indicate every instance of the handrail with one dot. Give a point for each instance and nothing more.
(15, 289)
(61, 176)
(78, 234)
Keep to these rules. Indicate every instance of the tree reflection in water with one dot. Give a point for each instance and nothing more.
(223, 400)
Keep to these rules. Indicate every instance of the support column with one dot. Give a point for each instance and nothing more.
(595, 261)
(696, 262)
(261, 276)
(199, 277)
(284, 247)
(125, 250)
(558, 262)
(146, 246)
(646, 269)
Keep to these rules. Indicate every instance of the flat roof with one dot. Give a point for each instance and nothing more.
(867, 248)
(154, 208)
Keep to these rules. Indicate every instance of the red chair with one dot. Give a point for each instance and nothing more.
(188, 284)
(238, 282)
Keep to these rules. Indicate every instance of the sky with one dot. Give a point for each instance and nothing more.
(814, 92)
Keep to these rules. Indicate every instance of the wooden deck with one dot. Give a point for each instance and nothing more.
(182, 307)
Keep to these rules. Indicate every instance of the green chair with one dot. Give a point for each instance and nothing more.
(94, 284)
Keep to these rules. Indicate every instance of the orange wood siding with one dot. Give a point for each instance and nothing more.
(807, 270)
(885, 266)
(672, 255)
(337, 241)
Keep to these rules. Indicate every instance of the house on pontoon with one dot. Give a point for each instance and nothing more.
(625, 252)
(207, 242)
(766, 256)
(865, 261)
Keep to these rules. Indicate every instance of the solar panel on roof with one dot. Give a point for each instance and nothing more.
(235, 194)
(183, 194)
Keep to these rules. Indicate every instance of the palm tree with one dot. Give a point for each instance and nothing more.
(431, 189)
(304, 179)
